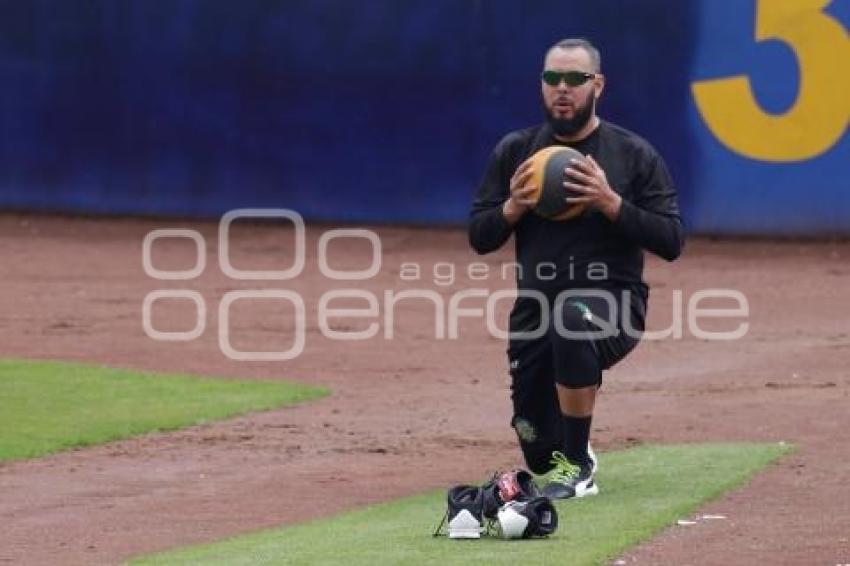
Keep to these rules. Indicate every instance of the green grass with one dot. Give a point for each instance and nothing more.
(49, 406)
(643, 490)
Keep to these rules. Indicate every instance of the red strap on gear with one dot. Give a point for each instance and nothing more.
(509, 487)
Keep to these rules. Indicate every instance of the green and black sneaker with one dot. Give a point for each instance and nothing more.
(568, 480)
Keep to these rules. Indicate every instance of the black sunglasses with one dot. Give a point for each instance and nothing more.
(572, 78)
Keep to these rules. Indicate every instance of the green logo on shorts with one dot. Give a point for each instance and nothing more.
(525, 430)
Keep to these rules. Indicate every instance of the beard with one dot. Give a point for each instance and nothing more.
(571, 126)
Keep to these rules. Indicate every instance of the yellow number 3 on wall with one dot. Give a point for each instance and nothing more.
(819, 115)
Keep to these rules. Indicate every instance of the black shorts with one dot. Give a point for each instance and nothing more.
(573, 360)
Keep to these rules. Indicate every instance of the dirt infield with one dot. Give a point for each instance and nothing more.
(412, 413)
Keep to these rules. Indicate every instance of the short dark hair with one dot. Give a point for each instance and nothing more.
(581, 43)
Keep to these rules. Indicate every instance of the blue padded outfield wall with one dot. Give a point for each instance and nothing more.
(386, 110)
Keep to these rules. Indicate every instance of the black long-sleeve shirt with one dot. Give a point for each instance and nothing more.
(555, 256)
